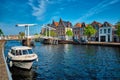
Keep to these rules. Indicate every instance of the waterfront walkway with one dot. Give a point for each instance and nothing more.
(3, 70)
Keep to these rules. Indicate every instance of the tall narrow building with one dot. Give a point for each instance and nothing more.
(61, 28)
(78, 31)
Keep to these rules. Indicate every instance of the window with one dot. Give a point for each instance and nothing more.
(17, 52)
(104, 30)
(25, 52)
(13, 52)
(100, 31)
(75, 32)
(30, 51)
(20, 52)
(108, 30)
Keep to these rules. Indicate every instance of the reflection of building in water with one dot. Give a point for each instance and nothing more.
(66, 48)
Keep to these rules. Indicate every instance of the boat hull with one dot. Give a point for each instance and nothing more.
(25, 65)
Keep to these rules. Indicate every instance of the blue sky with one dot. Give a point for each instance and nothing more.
(44, 11)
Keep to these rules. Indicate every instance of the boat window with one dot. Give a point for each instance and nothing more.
(25, 52)
(18, 52)
(13, 52)
(30, 51)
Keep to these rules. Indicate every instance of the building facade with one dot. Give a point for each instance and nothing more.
(96, 25)
(61, 28)
(105, 32)
(78, 31)
(115, 36)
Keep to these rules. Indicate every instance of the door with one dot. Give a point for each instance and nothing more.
(103, 38)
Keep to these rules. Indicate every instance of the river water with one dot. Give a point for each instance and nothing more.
(70, 62)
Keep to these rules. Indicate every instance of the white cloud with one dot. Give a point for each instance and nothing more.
(38, 10)
(98, 8)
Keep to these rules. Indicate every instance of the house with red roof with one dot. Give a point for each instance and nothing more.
(78, 31)
(61, 28)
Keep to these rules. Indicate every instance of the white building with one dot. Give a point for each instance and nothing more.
(105, 32)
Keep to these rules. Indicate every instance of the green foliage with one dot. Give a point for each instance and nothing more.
(89, 31)
(36, 34)
(69, 33)
(21, 34)
(1, 32)
(52, 33)
(118, 29)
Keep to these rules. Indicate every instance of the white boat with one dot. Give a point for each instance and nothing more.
(22, 56)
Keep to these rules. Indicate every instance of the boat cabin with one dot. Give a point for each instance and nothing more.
(23, 50)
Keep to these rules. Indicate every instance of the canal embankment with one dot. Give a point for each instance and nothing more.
(4, 71)
(112, 44)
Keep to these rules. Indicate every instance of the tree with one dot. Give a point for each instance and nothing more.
(52, 33)
(1, 32)
(89, 31)
(22, 35)
(36, 34)
(69, 33)
(118, 30)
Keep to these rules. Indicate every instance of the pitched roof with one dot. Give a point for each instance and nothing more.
(65, 23)
(78, 25)
(83, 25)
(56, 24)
(94, 23)
(106, 24)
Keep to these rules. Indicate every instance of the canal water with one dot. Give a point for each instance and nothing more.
(70, 62)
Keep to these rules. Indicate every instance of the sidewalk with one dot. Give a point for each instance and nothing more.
(3, 71)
